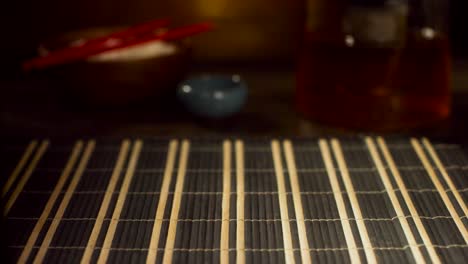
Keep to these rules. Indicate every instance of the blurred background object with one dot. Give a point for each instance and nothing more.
(376, 65)
(213, 96)
(132, 43)
(120, 77)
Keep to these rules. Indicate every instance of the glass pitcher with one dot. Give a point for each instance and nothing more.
(375, 64)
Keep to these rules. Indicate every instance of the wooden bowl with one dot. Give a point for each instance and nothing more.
(118, 82)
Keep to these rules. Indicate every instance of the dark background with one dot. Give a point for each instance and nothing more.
(256, 24)
(255, 38)
(458, 28)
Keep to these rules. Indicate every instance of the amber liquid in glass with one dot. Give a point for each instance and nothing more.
(374, 88)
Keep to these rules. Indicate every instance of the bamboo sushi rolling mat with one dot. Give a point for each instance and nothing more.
(355, 200)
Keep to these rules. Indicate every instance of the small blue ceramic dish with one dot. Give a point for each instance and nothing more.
(213, 96)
